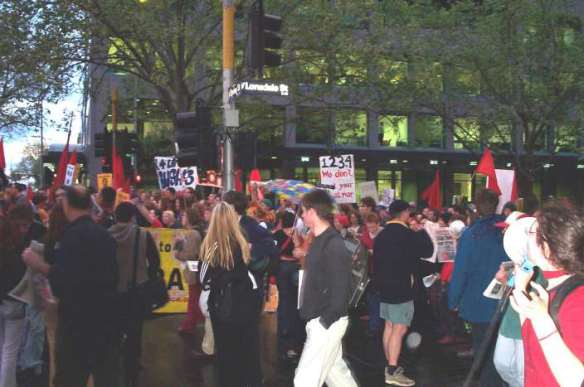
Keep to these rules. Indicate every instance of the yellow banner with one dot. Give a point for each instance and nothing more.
(178, 288)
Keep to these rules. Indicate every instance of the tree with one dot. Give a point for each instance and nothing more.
(33, 65)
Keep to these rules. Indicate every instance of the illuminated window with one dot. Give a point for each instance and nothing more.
(393, 131)
(351, 127)
(428, 131)
(389, 180)
(466, 81)
(566, 139)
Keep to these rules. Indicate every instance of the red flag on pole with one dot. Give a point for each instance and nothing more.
(2, 158)
(514, 190)
(487, 167)
(73, 159)
(238, 184)
(62, 167)
(119, 180)
(433, 194)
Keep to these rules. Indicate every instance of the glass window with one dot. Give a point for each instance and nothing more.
(429, 76)
(351, 127)
(389, 180)
(299, 173)
(466, 133)
(392, 71)
(393, 131)
(313, 175)
(312, 126)
(360, 177)
(566, 139)
(497, 135)
(463, 185)
(428, 131)
(465, 81)
(266, 121)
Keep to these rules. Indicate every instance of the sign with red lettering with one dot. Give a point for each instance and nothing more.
(339, 171)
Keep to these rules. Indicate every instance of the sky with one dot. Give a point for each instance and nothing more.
(13, 147)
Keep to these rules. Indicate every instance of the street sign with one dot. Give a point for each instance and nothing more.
(258, 88)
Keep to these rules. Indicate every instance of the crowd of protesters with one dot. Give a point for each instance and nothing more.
(86, 243)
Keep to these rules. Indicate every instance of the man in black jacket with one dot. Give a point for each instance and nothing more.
(395, 254)
(324, 298)
(84, 278)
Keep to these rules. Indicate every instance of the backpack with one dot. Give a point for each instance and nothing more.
(359, 270)
(265, 255)
(563, 291)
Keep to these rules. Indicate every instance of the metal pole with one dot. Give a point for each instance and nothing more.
(42, 171)
(228, 65)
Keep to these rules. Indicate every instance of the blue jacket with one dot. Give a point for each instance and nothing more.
(479, 255)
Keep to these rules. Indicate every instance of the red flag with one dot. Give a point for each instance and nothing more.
(2, 158)
(238, 184)
(487, 167)
(514, 190)
(62, 167)
(119, 180)
(73, 159)
(433, 194)
(29, 193)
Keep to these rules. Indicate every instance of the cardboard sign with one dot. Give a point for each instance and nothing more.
(369, 189)
(70, 174)
(104, 180)
(178, 288)
(340, 172)
(170, 174)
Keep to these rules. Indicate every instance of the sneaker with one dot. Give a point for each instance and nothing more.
(398, 378)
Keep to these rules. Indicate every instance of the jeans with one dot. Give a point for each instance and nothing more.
(509, 358)
(11, 330)
(375, 322)
(33, 343)
(322, 357)
(489, 375)
(290, 333)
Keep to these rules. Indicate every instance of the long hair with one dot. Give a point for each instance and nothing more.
(224, 236)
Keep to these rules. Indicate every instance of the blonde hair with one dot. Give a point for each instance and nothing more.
(223, 235)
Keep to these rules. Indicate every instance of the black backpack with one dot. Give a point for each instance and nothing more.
(563, 291)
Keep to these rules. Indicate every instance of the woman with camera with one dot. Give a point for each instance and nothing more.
(552, 318)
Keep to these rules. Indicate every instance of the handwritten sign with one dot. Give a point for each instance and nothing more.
(340, 172)
(104, 180)
(170, 174)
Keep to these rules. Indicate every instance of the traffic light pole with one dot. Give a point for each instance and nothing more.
(228, 66)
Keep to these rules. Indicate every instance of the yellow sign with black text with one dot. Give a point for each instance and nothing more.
(178, 288)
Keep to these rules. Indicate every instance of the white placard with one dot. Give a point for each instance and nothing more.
(171, 175)
(340, 172)
(69, 174)
(369, 189)
(505, 179)
(387, 196)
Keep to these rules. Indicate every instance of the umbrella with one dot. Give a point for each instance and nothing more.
(291, 189)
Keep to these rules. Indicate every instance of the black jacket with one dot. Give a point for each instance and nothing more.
(396, 251)
(84, 278)
(326, 285)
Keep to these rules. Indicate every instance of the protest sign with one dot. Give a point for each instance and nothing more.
(104, 180)
(444, 243)
(387, 197)
(70, 174)
(170, 174)
(178, 288)
(340, 172)
(369, 189)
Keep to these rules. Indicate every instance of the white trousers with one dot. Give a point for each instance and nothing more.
(322, 357)
(11, 330)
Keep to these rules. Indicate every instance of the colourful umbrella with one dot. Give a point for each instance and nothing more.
(290, 189)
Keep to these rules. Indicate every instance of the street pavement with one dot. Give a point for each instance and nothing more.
(168, 361)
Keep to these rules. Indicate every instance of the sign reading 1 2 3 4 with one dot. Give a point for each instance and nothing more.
(344, 161)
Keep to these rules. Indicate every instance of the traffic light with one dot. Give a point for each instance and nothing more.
(103, 144)
(264, 39)
(187, 138)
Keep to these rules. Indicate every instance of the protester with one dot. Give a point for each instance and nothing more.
(479, 254)
(554, 339)
(289, 323)
(187, 249)
(396, 252)
(325, 293)
(373, 228)
(107, 201)
(137, 260)
(14, 230)
(234, 312)
(342, 225)
(84, 278)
